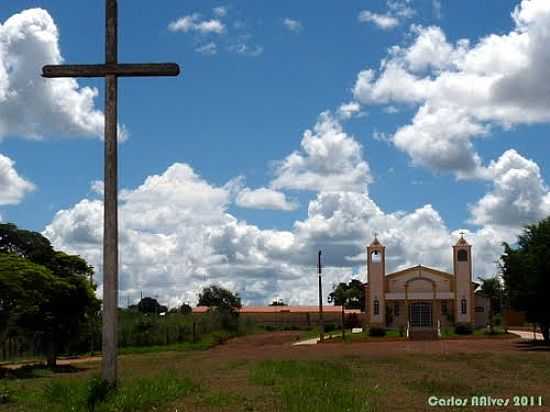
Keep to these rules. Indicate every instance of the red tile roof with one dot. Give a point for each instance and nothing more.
(284, 309)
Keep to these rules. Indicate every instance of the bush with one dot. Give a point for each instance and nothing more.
(463, 329)
(4, 396)
(330, 327)
(376, 331)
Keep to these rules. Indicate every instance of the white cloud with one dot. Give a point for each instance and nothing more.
(13, 187)
(293, 25)
(194, 23)
(97, 187)
(245, 49)
(220, 11)
(31, 106)
(383, 21)
(330, 160)
(264, 198)
(208, 49)
(348, 110)
(436, 9)
(398, 10)
(519, 195)
(232, 37)
(176, 236)
(463, 90)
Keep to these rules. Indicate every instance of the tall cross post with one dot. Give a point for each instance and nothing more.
(321, 324)
(111, 71)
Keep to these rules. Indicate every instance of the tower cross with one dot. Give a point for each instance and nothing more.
(111, 71)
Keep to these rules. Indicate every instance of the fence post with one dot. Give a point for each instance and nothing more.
(194, 331)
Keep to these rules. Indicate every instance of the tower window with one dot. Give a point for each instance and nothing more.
(376, 307)
(462, 256)
(464, 306)
(376, 256)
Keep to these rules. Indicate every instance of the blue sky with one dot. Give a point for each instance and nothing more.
(239, 113)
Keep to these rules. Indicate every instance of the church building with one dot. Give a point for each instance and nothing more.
(420, 297)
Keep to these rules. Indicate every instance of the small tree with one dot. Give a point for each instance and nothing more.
(224, 303)
(34, 299)
(61, 279)
(219, 297)
(492, 288)
(526, 274)
(185, 309)
(150, 306)
(350, 295)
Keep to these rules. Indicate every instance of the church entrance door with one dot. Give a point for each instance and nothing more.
(420, 315)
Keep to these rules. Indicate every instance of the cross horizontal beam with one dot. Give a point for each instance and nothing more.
(103, 70)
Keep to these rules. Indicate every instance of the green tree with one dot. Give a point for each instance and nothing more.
(493, 289)
(26, 244)
(526, 274)
(60, 298)
(150, 305)
(219, 297)
(350, 295)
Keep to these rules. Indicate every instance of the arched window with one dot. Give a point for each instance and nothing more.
(462, 256)
(376, 307)
(376, 256)
(464, 306)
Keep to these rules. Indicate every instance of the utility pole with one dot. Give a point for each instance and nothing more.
(321, 324)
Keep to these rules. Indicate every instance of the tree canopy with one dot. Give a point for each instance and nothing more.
(526, 274)
(219, 297)
(150, 305)
(351, 295)
(41, 290)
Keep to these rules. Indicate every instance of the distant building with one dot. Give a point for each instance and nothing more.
(423, 297)
(295, 316)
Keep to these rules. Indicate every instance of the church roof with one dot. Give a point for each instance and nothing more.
(375, 242)
(421, 268)
(462, 241)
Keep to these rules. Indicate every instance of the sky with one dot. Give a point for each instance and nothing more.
(291, 129)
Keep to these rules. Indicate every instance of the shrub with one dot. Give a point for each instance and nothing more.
(4, 396)
(330, 327)
(376, 331)
(463, 329)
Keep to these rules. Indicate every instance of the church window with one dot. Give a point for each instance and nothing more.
(396, 309)
(462, 256)
(376, 307)
(444, 308)
(464, 306)
(376, 257)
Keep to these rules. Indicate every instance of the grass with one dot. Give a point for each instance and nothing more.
(450, 332)
(204, 343)
(302, 386)
(301, 380)
(85, 395)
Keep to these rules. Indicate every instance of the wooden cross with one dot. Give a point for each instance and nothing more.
(461, 234)
(111, 71)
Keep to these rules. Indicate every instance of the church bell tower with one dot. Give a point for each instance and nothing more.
(462, 263)
(376, 269)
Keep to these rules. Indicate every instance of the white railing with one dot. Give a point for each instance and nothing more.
(438, 328)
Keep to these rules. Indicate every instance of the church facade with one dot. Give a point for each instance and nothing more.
(423, 297)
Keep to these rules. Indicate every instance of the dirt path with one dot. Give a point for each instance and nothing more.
(281, 345)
